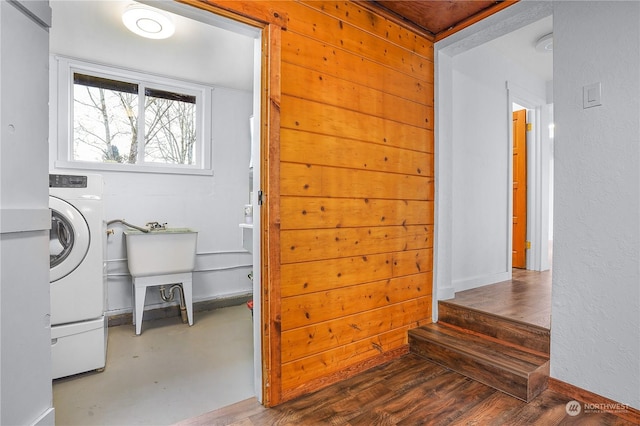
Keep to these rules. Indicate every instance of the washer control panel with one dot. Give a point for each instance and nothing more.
(67, 181)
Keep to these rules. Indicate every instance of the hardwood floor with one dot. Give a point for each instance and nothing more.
(407, 391)
(526, 298)
(414, 391)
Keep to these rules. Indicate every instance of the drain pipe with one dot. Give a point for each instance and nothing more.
(122, 221)
(170, 297)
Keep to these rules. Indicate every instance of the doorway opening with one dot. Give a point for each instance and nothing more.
(184, 194)
(474, 211)
(531, 151)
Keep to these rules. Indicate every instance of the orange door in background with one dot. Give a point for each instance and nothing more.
(519, 259)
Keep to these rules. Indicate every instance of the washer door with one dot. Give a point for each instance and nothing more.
(69, 238)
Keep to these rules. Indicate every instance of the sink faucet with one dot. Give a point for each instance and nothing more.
(156, 225)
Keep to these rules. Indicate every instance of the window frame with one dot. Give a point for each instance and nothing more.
(66, 67)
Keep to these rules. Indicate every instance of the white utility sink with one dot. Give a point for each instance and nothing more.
(247, 236)
(161, 251)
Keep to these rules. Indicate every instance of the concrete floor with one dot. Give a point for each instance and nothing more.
(171, 372)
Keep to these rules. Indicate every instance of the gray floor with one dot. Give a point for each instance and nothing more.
(171, 372)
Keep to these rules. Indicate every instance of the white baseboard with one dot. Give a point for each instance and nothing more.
(446, 293)
(469, 283)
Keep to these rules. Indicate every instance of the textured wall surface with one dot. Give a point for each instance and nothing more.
(595, 341)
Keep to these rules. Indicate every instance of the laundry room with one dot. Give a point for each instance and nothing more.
(209, 198)
(173, 149)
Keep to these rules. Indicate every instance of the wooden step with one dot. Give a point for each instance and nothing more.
(514, 370)
(516, 332)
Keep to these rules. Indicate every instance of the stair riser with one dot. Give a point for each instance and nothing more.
(524, 386)
(521, 334)
(538, 381)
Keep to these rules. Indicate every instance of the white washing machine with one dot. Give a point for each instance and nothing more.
(77, 247)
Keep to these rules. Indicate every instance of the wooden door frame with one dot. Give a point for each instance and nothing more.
(535, 191)
(270, 23)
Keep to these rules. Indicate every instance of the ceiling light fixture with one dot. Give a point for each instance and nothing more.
(545, 43)
(148, 22)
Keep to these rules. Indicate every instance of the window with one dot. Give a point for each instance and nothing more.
(124, 120)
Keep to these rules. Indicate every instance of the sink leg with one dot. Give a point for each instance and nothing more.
(188, 298)
(140, 293)
(133, 298)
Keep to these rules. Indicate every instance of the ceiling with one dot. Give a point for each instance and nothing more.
(520, 47)
(93, 31)
(432, 15)
(441, 18)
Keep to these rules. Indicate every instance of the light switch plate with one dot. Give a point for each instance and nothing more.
(591, 95)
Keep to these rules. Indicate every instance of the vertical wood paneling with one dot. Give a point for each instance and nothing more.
(348, 228)
(317, 117)
(309, 21)
(377, 25)
(270, 218)
(316, 213)
(342, 64)
(356, 189)
(299, 147)
(326, 89)
(312, 308)
(318, 181)
(319, 337)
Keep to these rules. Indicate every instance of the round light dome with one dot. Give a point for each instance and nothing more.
(545, 43)
(148, 22)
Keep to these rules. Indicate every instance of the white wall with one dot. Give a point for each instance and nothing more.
(213, 205)
(595, 337)
(481, 216)
(25, 331)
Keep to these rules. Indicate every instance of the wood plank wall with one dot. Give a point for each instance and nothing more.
(355, 191)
